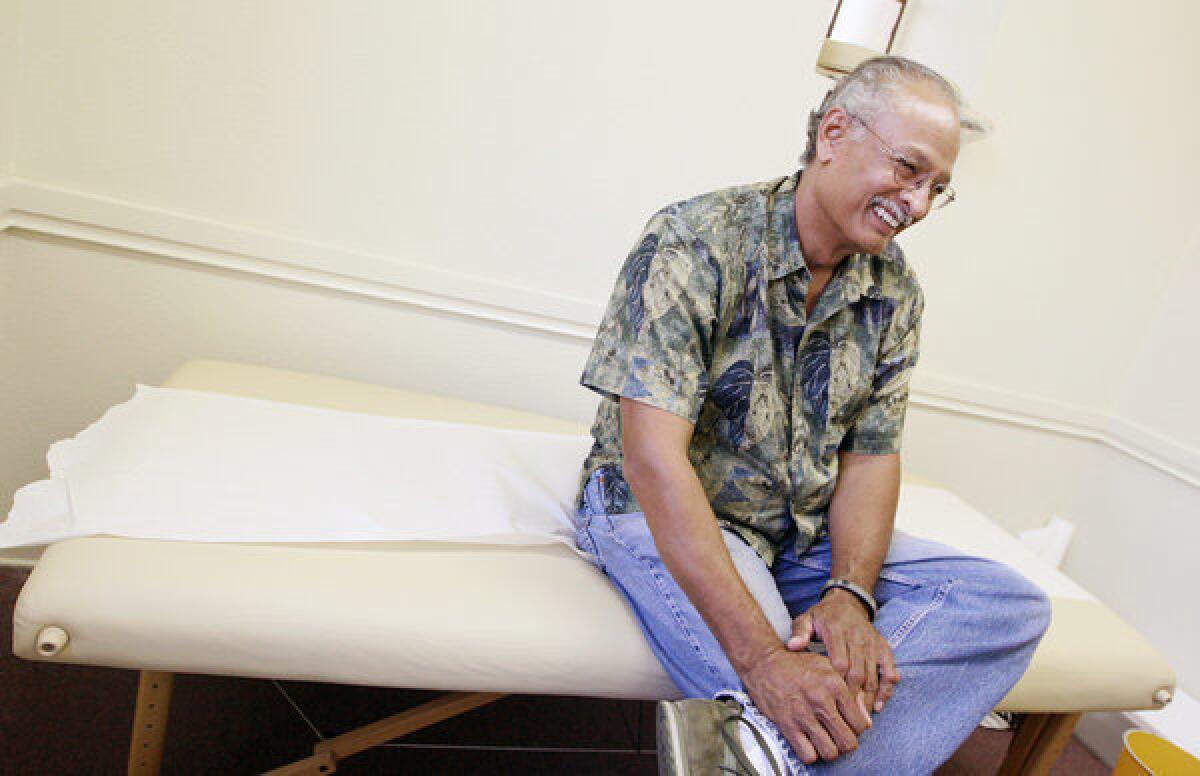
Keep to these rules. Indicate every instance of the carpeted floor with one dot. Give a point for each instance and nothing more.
(60, 719)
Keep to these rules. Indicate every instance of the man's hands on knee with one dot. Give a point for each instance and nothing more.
(858, 652)
(800, 691)
(808, 701)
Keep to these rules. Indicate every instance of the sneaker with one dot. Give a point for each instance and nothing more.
(702, 738)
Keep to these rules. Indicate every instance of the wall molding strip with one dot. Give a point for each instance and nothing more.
(1150, 447)
(39, 208)
(60, 213)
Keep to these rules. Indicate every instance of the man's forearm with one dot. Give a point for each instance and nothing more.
(689, 542)
(862, 513)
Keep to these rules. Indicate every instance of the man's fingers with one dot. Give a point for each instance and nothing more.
(836, 648)
(853, 711)
(888, 677)
(801, 633)
(800, 744)
(870, 687)
(843, 736)
(828, 732)
(858, 661)
(861, 676)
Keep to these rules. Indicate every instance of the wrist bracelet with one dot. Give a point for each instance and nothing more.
(865, 598)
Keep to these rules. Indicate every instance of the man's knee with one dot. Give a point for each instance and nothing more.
(1019, 603)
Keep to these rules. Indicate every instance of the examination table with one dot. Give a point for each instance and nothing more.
(478, 621)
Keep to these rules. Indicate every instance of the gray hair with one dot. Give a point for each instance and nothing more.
(865, 90)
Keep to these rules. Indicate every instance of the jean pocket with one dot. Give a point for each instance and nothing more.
(916, 611)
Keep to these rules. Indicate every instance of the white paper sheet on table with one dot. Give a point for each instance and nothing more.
(202, 466)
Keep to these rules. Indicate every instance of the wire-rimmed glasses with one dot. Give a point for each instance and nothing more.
(909, 176)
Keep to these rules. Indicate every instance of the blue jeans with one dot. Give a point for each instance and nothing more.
(962, 631)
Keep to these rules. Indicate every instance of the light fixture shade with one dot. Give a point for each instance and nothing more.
(859, 30)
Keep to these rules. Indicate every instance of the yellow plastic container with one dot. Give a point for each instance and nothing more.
(1145, 754)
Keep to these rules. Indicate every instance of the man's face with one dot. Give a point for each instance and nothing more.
(862, 196)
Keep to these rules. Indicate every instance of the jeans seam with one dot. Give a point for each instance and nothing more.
(665, 595)
(586, 542)
(905, 627)
(892, 576)
(593, 502)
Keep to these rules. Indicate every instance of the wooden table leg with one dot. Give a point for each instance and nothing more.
(326, 754)
(1055, 735)
(1040, 739)
(150, 722)
(397, 725)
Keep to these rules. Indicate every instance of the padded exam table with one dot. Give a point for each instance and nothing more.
(477, 621)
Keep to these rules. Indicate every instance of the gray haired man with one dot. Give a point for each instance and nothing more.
(754, 364)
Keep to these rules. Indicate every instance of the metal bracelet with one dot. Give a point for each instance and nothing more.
(863, 596)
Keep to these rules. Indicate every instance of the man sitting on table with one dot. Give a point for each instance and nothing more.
(754, 362)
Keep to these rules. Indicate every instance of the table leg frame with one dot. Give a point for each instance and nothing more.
(150, 723)
(154, 702)
(1039, 740)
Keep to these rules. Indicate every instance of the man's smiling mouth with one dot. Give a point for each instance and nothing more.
(890, 213)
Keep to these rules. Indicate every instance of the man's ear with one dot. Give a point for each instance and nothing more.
(832, 130)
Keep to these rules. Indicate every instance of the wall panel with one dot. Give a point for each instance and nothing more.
(10, 75)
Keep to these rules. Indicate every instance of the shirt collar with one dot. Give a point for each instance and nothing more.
(784, 243)
(857, 277)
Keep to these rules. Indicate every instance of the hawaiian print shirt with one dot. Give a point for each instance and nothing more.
(707, 321)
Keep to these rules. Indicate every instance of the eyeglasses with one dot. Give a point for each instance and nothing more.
(909, 176)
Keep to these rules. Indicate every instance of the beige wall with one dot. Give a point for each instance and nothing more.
(525, 143)
(1137, 551)
(521, 143)
(1160, 390)
(1066, 275)
(10, 63)
(520, 147)
(1044, 277)
(394, 180)
(1018, 475)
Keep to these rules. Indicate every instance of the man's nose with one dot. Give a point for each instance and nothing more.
(918, 200)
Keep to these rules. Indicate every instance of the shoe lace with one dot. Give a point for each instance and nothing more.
(729, 734)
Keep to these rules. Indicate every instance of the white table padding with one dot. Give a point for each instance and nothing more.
(533, 619)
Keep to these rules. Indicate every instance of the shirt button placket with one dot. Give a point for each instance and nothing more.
(797, 292)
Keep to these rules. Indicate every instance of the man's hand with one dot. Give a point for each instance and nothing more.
(808, 701)
(857, 651)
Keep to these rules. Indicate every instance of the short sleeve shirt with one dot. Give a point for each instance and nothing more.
(707, 321)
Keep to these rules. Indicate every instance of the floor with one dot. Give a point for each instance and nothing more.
(59, 719)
